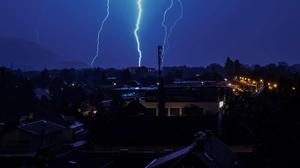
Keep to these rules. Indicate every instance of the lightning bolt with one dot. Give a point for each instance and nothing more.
(100, 31)
(169, 32)
(176, 21)
(137, 28)
(165, 26)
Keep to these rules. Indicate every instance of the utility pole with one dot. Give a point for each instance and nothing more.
(161, 94)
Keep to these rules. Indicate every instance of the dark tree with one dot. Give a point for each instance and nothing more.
(44, 78)
(237, 68)
(229, 68)
(125, 77)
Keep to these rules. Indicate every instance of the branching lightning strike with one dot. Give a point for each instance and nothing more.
(165, 26)
(100, 31)
(175, 22)
(137, 28)
(168, 32)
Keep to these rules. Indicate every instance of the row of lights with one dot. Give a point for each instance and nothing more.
(271, 85)
(251, 82)
(248, 79)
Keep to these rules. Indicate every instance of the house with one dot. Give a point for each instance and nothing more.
(74, 131)
(189, 98)
(32, 136)
(207, 152)
(36, 142)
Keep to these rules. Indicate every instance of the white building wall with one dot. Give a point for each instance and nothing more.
(212, 107)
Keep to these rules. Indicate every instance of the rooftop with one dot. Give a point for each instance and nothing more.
(208, 151)
(42, 127)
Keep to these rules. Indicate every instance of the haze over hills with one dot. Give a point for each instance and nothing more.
(27, 55)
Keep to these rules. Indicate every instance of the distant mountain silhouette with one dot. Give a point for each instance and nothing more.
(27, 55)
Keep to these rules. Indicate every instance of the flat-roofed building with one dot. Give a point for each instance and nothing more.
(185, 98)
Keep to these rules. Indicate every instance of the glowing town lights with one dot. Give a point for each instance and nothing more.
(251, 85)
(293, 88)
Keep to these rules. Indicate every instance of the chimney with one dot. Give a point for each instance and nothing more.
(161, 94)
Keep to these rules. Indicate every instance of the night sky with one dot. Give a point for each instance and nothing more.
(254, 31)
